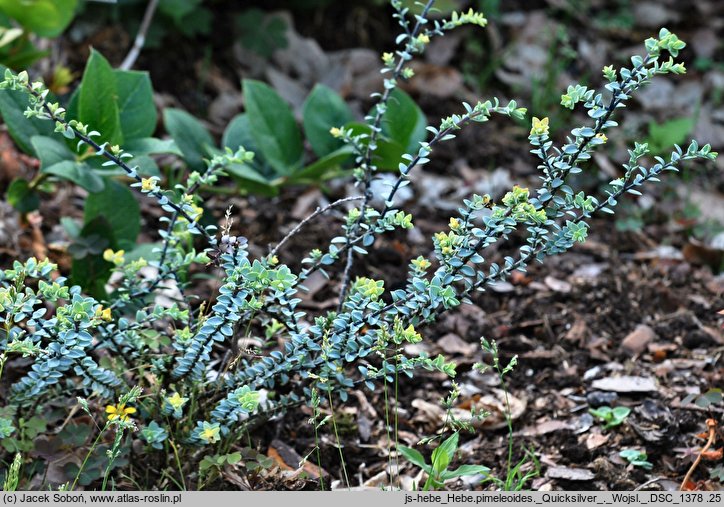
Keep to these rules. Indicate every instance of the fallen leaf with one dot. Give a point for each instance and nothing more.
(545, 427)
(626, 384)
(595, 440)
(453, 344)
(713, 455)
(557, 285)
(569, 474)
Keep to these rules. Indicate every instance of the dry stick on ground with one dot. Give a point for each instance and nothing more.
(140, 40)
(304, 222)
(711, 427)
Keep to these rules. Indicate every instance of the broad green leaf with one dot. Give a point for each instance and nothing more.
(119, 207)
(97, 99)
(177, 9)
(273, 127)
(404, 122)
(47, 18)
(13, 104)
(251, 181)
(440, 460)
(23, 55)
(92, 272)
(388, 154)
(136, 109)
(662, 137)
(261, 32)
(190, 136)
(414, 456)
(151, 146)
(323, 110)
(144, 250)
(446, 452)
(50, 150)
(22, 197)
(464, 470)
(79, 173)
(323, 167)
(238, 133)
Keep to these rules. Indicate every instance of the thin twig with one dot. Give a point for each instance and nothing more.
(711, 427)
(140, 40)
(304, 222)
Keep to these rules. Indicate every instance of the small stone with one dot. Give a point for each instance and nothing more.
(638, 339)
(597, 399)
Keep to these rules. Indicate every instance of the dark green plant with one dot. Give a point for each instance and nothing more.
(19, 20)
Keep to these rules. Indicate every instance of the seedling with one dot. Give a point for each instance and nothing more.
(442, 456)
(637, 458)
(611, 416)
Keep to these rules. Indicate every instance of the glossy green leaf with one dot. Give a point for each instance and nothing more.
(463, 471)
(322, 168)
(97, 99)
(238, 133)
(190, 136)
(22, 197)
(323, 110)
(414, 456)
(404, 122)
(151, 146)
(273, 127)
(663, 136)
(90, 271)
(136, 109)
(120, 208)
(47, 18)
(79, 173)
(13, 104)
(388, 154)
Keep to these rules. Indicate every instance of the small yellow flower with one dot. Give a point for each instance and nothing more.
(103, 313)
(602, 137)
(197, 212)
(273, 260)
(388, 58)
(114, 257)
(446, 250)
(148, 184)
(421, 263)
(336, 132)
(423, 38)
(454, 223)
(210, 433)
(176, 401)
(119, 411)
(540, 127)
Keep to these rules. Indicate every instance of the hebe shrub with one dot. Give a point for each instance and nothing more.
(166, 352)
